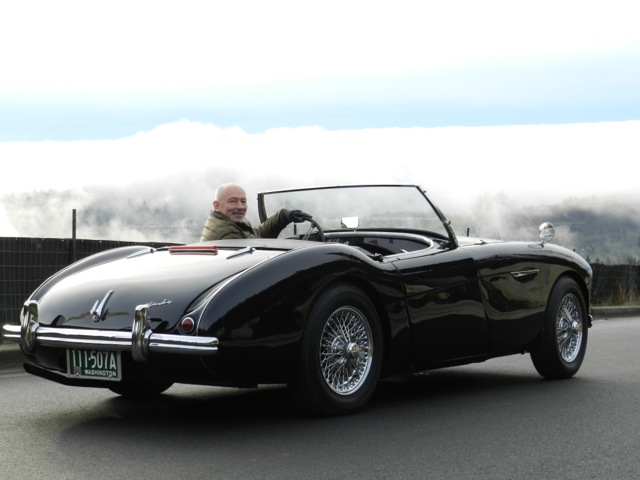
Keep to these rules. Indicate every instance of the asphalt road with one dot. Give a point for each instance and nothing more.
(496, 420)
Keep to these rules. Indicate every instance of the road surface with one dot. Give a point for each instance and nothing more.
(495, 420)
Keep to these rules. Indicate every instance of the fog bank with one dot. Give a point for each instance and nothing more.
(173, 170)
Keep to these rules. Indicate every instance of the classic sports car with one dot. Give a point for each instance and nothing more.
(376, 285)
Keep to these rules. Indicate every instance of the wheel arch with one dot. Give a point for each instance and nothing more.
(370, 291)
(584, 285)
(584, 289)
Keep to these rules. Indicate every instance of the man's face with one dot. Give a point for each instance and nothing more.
(232, 204)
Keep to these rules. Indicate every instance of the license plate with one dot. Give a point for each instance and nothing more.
(94, 364)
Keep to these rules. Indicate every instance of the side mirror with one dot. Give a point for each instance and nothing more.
(547, 232)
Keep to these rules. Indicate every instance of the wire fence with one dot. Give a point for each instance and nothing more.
(615, 285)
(27, 262)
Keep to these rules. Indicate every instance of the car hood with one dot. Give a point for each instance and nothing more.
(167, 281)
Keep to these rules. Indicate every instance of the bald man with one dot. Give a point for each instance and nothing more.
(227, 219)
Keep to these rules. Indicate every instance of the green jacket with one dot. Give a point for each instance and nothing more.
(219, 227)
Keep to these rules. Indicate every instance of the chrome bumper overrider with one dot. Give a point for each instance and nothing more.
(140, 341)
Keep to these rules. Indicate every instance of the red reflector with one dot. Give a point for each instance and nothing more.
(187, 324)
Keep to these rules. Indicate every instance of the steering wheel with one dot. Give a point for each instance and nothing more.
(313, 225)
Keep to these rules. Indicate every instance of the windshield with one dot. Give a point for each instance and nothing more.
(369, 207)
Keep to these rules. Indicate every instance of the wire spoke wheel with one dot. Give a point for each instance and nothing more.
(346, 350)
(569, 327)
(560, 348)
(341, 353)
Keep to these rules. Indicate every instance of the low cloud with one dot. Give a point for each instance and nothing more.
(174, 169)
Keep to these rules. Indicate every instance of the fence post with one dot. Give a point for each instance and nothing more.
(72, 252)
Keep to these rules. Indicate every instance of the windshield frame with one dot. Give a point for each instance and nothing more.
(446, 233)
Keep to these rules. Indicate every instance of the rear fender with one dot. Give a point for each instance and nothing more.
(261, 313)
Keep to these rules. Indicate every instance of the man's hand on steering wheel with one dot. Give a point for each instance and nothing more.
(297, 216)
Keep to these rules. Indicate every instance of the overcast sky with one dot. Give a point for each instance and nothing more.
(537, 99)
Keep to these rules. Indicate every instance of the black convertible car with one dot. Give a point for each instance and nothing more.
(375, 285)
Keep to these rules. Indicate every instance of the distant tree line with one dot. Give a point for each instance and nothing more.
(601, 231)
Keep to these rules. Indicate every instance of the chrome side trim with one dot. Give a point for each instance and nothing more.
(525, 273)
(140, 341)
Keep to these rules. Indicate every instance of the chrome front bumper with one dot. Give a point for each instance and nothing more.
(140, 341)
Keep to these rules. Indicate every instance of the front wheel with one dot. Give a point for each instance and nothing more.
(560, 349)
(341, 354)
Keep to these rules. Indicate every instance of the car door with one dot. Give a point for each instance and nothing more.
(444, 305)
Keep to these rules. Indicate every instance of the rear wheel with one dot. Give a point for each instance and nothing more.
(560, 349)
(341, 354)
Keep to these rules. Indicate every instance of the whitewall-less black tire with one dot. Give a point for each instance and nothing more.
(341, 354)
(560, 349)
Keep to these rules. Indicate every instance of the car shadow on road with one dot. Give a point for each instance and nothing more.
(235, 407)
(234, 414)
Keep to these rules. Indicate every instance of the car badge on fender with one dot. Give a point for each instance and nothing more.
(99, 310)
(159, 304)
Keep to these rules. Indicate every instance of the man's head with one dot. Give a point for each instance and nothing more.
(231, 201)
